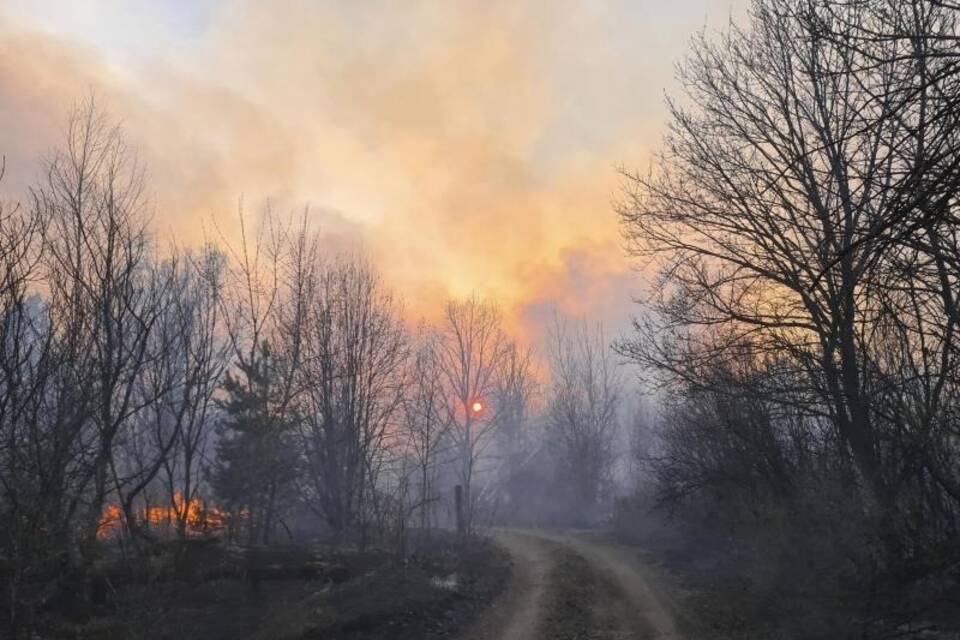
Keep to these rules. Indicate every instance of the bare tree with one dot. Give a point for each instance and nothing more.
(104, 301)
(914, 44)
(583, 410)
(802, 214)
(253, 470)
(471, 349)
(202, 351)
(515, 398)
(252, 284)
(147, 443)
(766, 178)
(171, 433)
(29, 502)
(425, 421)
(350, 376)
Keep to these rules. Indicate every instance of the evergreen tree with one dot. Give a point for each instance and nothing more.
(256, 463)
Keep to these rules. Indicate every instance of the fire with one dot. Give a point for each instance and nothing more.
(112, 519)
(200, 519)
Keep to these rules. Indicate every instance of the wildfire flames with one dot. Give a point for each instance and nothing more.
(200, 519)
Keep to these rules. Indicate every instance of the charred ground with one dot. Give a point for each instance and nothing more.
(203, 589)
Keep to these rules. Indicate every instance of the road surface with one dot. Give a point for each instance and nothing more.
(572, 585)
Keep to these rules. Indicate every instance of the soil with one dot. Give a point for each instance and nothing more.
(579, 585)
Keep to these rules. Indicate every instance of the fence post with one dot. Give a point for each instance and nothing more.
(458, 494)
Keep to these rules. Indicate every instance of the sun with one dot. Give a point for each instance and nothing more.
(477, 406)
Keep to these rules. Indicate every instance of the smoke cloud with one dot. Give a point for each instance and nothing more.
(467, 147)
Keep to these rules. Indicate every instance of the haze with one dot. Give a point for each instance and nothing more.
(480, 320)
(467, 147)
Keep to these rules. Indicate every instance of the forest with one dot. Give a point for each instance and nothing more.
(256, 428)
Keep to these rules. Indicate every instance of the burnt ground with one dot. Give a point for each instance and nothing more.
(734, 593)
(290, 594)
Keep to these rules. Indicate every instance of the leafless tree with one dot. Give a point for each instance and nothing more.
(583, 410)
(28, 507)
(259, 374)
(471, 349)
(517, 441)
(104, 300)
(802, 215)
(202, 350)
(141, 451)
(763, 180)
(425, 421)
(352, 353)
(251, 284)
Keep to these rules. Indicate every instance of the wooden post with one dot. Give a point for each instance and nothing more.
(461, 525)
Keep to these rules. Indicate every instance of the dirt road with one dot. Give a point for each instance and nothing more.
(577, 586)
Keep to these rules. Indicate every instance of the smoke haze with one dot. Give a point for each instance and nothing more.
(467, 148)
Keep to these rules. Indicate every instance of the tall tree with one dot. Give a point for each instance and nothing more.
(352, 350)
(33, 472)
(801, 212)
(515, 397)
(105, 300)
(583, 411)
(202, 350)
(425, 421)
(472, 347)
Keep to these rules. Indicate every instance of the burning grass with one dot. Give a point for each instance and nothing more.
(199, 519)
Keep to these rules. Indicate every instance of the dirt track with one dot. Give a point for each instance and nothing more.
(577, 585)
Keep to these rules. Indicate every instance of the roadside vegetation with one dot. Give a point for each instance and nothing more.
(803, 328)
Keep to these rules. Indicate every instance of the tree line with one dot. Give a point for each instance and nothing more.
(242, 389)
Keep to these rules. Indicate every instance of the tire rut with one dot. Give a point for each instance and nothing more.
(577, 586)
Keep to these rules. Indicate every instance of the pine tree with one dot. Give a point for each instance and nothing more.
(256, 463)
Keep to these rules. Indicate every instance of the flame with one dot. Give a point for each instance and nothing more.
(111, 520)
(200, 519)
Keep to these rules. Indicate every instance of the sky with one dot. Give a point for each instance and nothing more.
(465, 146)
